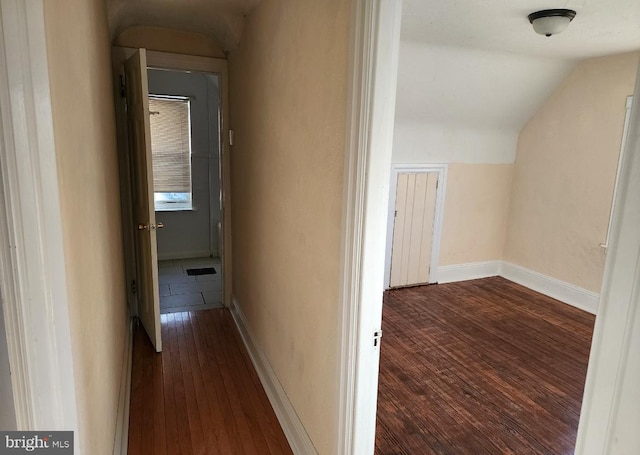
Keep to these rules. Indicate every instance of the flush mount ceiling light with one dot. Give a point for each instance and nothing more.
(551, 21)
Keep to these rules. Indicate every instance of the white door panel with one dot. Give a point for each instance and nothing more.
(143, 205)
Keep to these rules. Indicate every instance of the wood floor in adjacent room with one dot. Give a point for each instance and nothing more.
(480, 367)
(201, 395)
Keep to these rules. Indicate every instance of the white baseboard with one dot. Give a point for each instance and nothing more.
(552, 287)
(560, 290)
(185, 255)
(469, 271)
(121, 442)
(291, 425)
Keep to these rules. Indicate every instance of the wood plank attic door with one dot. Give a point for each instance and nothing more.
(413, 228)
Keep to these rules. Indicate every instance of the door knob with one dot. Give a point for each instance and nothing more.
(152, 227)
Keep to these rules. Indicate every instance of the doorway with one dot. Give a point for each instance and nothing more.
(184, 112)
(185, 216)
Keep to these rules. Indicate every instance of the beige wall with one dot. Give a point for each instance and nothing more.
(169, 40)
(288, 100)
(565, 171)
(83, 118)
(475, 213)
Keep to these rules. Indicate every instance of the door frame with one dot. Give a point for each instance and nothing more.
(396, 170)
(623, 149)
(177, 62)
(609, 417)
(32, 261)
(374, 50)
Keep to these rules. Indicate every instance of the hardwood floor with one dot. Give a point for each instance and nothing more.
(201, 395)
(480, 367)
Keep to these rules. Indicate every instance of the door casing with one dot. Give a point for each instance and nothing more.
(33, 285)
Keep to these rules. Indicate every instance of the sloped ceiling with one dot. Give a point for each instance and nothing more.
(479, 64)
(221, 20)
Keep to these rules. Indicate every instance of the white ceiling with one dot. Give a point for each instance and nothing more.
(601, 27)
(479, 64)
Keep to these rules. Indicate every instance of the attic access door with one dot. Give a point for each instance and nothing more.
(144, 217)
(416, 219)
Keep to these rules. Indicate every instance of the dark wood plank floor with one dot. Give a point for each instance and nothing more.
(480, 367)
(201, 395)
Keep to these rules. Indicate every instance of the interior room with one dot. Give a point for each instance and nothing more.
(524, 137)
(321, 117)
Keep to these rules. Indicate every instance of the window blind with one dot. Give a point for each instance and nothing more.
(170, 144)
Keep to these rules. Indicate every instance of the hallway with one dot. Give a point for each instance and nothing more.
(201, 395)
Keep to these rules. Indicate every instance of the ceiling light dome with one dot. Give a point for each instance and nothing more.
(551, 21)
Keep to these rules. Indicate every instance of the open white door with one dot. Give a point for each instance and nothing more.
(137, 94)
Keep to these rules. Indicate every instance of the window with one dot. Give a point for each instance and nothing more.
(171, 152)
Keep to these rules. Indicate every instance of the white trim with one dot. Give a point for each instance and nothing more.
(121, 441)
(185, 255)
(552, 287)
(32, 259)
(468, 271)
(625, 133)
(184, 62)
(214, 104)
(370, 117)
(292, 426)
(396, 170)
(610, 420)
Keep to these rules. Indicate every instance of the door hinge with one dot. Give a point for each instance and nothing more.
(377, 335)
(230, 137)
(395, 214)
(123, 87)
(134, 287)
